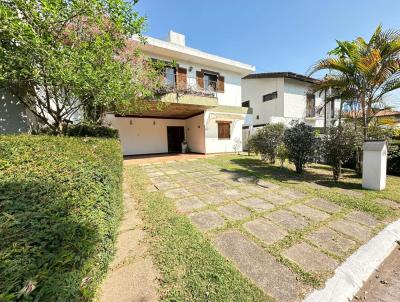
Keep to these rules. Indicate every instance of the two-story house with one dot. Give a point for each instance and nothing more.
(204, 106)
(283, 97)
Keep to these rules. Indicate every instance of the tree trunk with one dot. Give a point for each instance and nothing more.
(340, 113)
(299, 168)
(364, 116)
(337, 171)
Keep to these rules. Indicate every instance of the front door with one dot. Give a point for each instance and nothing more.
(176, 135)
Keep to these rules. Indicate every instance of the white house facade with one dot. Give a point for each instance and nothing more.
(284, 97)
(203, 104)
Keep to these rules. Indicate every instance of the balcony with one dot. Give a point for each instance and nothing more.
(184, 85)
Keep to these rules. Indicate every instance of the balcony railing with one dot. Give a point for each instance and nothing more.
(189, 85)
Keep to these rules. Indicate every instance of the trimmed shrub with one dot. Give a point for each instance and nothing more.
(393, 164)
(282, 154)
(339, 145)
(300, 141)
(266, 141)
(92, 131)
(60, 204)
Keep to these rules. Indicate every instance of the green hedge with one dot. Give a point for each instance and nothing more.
(60, 206)
(93, 131)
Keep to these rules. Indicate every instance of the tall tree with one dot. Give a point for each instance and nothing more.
(363, 71)
(59, 57)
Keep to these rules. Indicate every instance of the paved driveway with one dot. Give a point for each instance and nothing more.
(284, 240)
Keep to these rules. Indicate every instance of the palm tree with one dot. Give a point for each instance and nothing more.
(363, 72)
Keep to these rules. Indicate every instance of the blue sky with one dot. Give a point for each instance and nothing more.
(280, 35)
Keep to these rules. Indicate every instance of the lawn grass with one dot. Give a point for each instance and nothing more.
(191, 269)
(60, 207)
(286, 177)
(320, 174)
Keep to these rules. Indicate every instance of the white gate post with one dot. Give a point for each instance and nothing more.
(374, 165)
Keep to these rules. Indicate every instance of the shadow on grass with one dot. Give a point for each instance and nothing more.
(44, 241)
(286, 175)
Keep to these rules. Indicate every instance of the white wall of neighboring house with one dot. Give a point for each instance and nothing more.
(14, 118)
(253, 91)
(290, 105)
(295, 103)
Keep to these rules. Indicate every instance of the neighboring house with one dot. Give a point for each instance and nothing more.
(14, 117)
(283, 97)
(381, 117)
(204, 104)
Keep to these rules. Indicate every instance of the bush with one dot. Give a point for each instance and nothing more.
(61, 203)
(339, 145)
(266, 140)
(282, 153)
(299, 141)
(91, 130)
(393, 163)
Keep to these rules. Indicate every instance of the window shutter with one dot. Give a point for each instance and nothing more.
(221, 84)
(200, 79)
(182, 78)
(224, 129)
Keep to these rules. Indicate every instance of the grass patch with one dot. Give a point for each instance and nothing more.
(60, 206)
(192, 270)
(322, 175)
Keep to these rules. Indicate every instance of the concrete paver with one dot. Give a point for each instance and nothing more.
(331, 241)
(310, 259)
(310, 213)
(189, 204)
(287, 219)
(351, 229)
(206, 220)
(272, 277)
(233, 211)
(256, 204)
(264, 230)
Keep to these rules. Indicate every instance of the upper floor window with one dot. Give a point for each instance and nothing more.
(333, 109)
(310, 105)
(210, 82)
(270, 96)
(170, 76)
(246, 104)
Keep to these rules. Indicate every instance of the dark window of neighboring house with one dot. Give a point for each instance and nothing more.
(210, 82)
(270, 96)
(224, 130)
(310, 105)
(333, 109)
(246, 104)
(170, 76)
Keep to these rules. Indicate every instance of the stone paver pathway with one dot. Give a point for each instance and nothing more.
(266, 228)
(132, 275)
